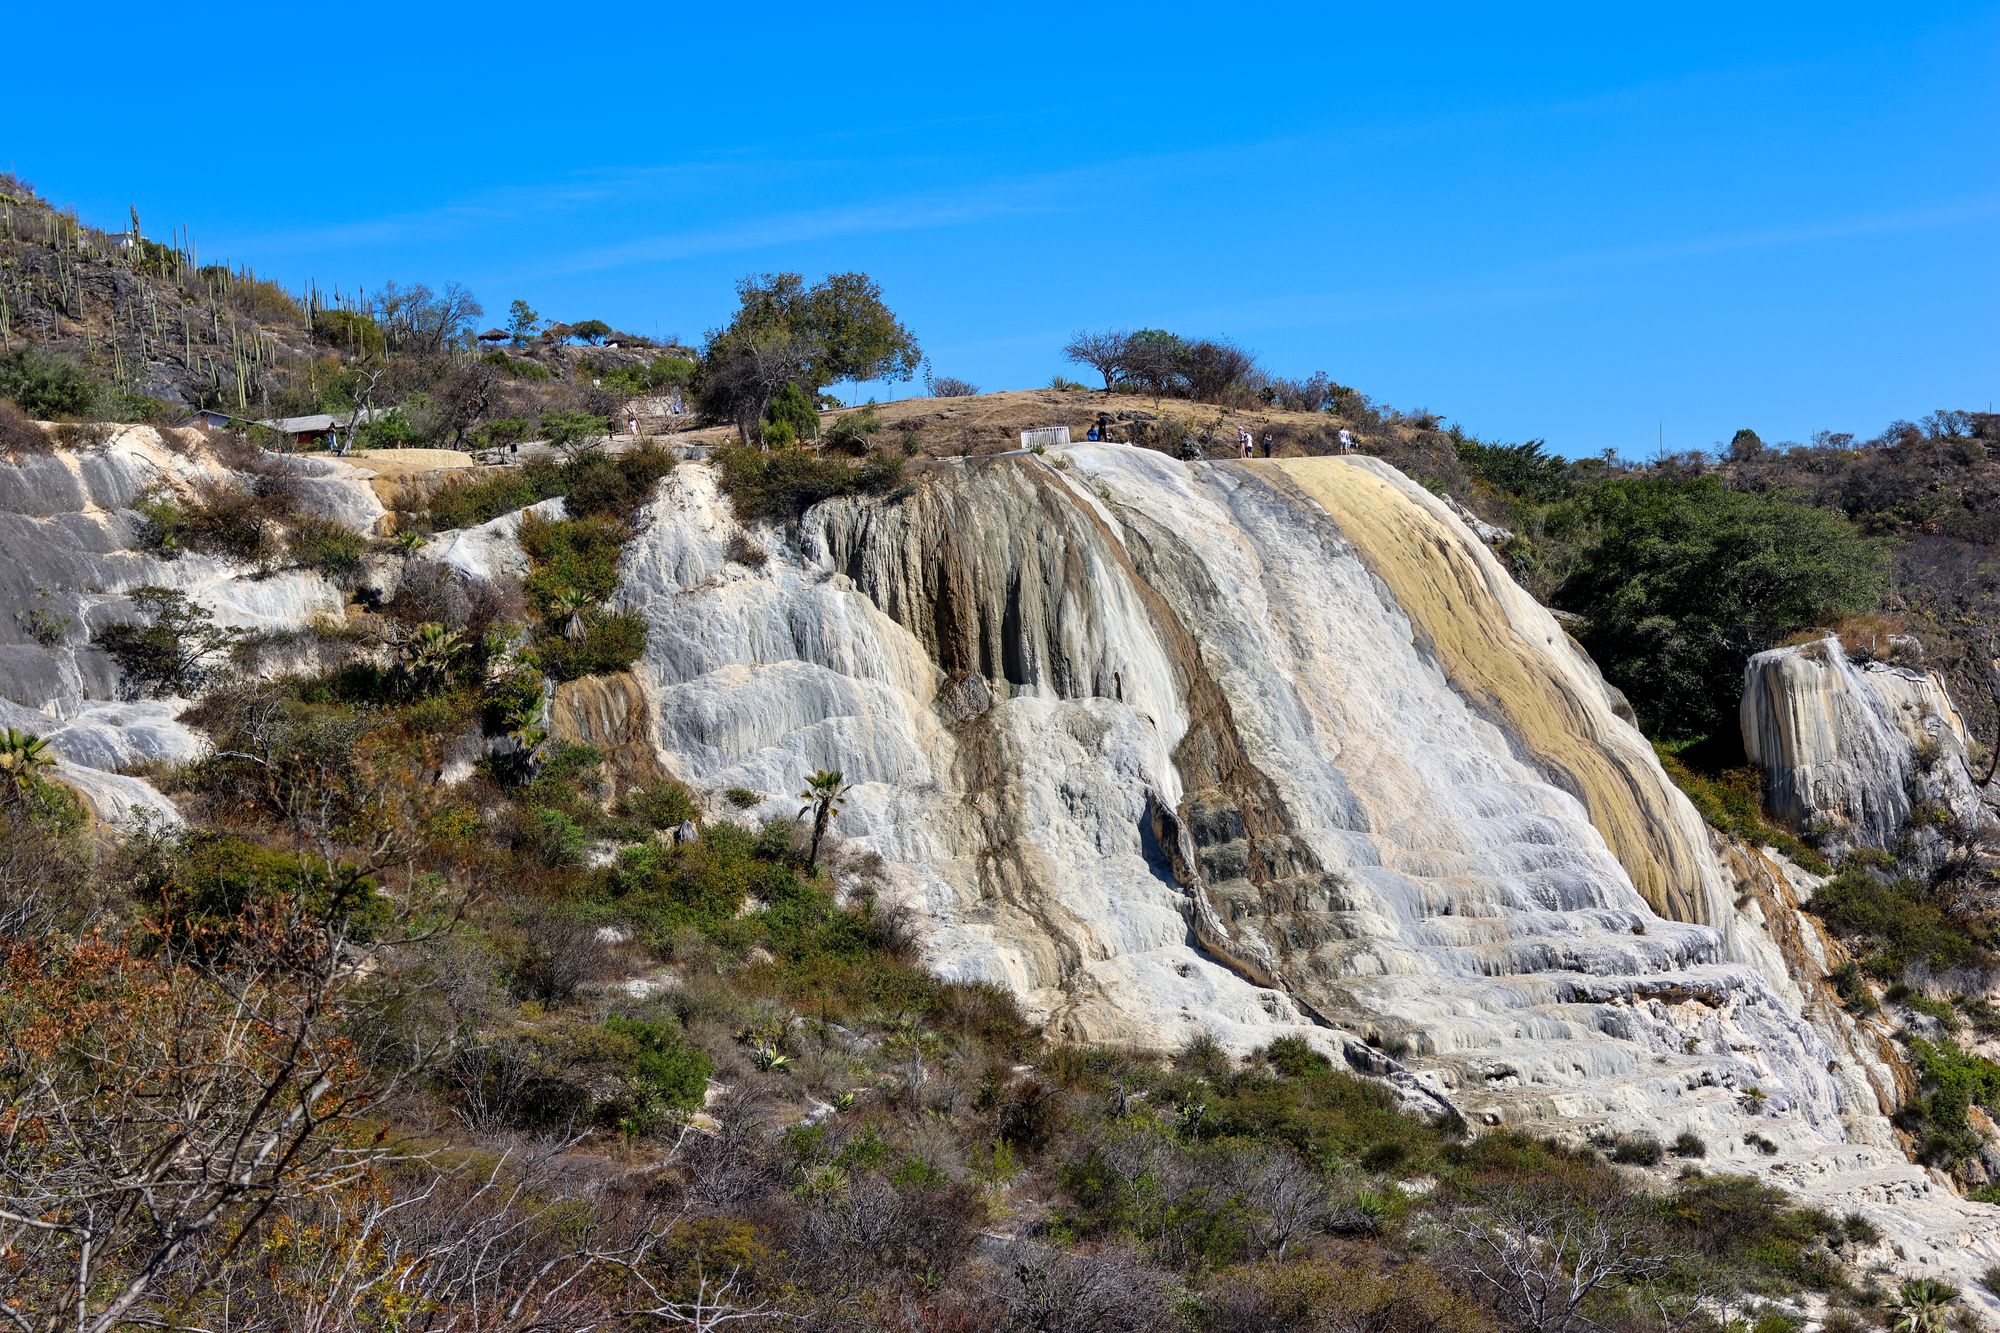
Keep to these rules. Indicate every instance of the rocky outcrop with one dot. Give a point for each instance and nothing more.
(1258, 748)
(491, 549)
(610, 714)
(72, 533)
(1849, 751)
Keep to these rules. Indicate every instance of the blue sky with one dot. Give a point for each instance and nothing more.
(1590, 224)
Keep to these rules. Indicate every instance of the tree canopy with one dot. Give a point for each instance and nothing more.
(1684, 578)
(786, 332)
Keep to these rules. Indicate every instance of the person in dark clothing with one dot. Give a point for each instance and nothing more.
(1270, 445)
(1103, 426)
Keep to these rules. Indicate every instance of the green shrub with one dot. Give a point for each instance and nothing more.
(854, 428)
(1294, 1057)
(1951, 1080)
(742, 797)
(348, 329)
(322, 544)
(476, 500)
(600, 485)
(195, 888)
(393, 429)
(791, 410)
(612, 641)
(502, 430)
(781, 484)
(571, 558)
(1893, 923)
(1638, 1150)
(672, 1073)
(1732, 801)
(661, 804)
(1520, 471)
(520, 368)
(555, 838)
(1687, 1143)
(46, 387)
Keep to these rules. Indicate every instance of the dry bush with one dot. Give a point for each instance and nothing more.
(82, 434)
(20, 433)
(744, 551)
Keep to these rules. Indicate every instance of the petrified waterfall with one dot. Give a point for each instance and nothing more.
(1235, 748)
(1260, 748)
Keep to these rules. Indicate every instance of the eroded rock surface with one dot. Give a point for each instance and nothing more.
(1253, 749)
(1850, 750)
(72, 533)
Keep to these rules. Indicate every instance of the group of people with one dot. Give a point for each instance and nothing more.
(1243, 442)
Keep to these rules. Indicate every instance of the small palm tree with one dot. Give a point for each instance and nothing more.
(1924, 1306)
(430, 655)
(22, 754)
(823, 795)
(572, 604)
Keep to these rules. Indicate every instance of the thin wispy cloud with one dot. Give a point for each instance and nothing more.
(916, 212)
(1544, 280)
(1930, 217)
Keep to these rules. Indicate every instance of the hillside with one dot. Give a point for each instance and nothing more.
(828, 867)
(1201, 914)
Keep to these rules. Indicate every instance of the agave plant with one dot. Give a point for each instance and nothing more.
(572, 604)
(22, 754)
(1924, 1306)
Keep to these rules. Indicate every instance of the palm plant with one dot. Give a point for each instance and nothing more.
(823, 796)
(22, 754)
(571, 603)
(430, 655)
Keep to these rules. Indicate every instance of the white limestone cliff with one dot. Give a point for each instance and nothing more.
(1264, 748)
(70, 527)
(1849, 750)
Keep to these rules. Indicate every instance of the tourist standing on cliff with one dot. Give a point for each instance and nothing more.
(1346, 441)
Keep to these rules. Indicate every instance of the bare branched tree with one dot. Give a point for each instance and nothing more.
(1538, 1253)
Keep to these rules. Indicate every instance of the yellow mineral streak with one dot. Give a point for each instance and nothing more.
(608, 712)
(1508, 656)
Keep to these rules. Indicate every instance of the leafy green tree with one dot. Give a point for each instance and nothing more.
(573, 433)
(522, 321)
(823, 795)
(785, 332)
(792, 411)
(174, 649)
(1680, 580)
(592, 331)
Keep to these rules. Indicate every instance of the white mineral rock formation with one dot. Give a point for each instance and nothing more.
(1848, 751)
(491, 549)
(1255, 748)
(70, 528)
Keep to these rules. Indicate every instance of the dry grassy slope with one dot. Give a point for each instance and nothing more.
(993, 422)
